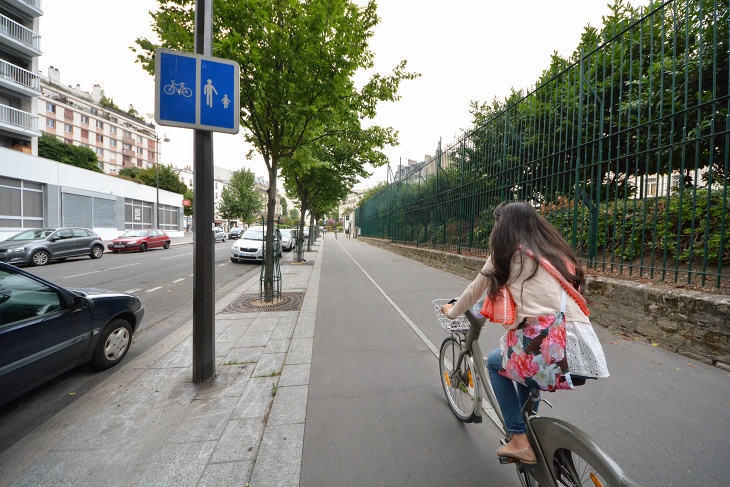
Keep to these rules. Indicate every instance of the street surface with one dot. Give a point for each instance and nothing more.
(163, 280)
(377, 415)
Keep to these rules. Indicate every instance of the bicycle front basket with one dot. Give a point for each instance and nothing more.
(460, 323)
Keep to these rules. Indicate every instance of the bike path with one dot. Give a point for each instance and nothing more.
(663, 417)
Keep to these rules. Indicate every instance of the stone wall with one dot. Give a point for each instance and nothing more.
(693, 323)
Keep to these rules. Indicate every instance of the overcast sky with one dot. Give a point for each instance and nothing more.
(464, 50)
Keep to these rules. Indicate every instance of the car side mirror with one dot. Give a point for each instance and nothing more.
(82, 302)
(53, 239)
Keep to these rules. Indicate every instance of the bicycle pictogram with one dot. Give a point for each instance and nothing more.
(180, 88)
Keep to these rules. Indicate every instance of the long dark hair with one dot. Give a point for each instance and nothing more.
(518, 224)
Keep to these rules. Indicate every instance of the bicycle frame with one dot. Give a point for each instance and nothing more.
(549, 437)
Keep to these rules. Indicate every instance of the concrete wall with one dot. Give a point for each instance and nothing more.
(693, 323)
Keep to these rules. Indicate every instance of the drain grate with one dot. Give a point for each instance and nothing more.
(251, 303)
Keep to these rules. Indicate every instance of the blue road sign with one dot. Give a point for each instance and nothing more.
(197, 92)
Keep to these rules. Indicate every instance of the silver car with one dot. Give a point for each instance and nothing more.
(251, 245)
(39, 246)
(219, 234)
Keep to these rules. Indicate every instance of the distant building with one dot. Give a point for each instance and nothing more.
(77, 117)
(20, 47)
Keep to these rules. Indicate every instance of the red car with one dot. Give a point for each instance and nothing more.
(139, 240)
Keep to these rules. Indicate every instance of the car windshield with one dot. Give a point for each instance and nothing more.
(254, 234)
(34, 234)
(134, 233)
(285, 233)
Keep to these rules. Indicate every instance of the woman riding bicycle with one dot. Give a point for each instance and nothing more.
(519, 239)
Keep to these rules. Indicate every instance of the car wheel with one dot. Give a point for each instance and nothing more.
(143, 247)
(223, 239)
(39, 257)
(167, 244)
(97, 252)
(234, 260)
(113, 344)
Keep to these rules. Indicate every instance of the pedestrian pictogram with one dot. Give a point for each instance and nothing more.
(195, 91)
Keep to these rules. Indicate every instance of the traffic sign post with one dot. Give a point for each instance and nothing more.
(197, 92)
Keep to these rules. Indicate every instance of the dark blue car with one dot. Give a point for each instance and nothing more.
(46, 330)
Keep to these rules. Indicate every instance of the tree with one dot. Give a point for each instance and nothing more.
(240, 199)
(297, 60)
(190, 196)
(284, 206)
(168, 178)
(50, 147)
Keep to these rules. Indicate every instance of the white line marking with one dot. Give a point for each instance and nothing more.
(178, 280)
(153, 289)
(103, 270)
(133, 290)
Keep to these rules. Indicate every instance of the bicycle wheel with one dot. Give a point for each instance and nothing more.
(459, 386)
(572, 470)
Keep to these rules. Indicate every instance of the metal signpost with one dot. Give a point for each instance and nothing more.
(200, 92)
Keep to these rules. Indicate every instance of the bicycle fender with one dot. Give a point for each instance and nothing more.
(555, 434)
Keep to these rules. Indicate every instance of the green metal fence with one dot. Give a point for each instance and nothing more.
(624, 148)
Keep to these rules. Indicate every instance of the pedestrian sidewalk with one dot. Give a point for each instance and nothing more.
(149, 425)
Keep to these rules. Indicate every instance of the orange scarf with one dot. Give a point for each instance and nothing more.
(502, 309)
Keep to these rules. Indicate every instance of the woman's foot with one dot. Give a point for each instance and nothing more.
(519, 449)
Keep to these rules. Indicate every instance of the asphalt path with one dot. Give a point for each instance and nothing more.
(377, 415)
(162, 278)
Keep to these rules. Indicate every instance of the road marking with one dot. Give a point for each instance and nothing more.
(221, 265)
(176, 256)
(133, 290)
(103, 270)
(178, 280)
(153, 289)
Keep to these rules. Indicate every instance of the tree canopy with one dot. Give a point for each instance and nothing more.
(240, 199)
(50, 147)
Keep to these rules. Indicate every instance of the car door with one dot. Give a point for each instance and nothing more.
(61, 243)
(40, 337)
(156, 238)
(82, 241)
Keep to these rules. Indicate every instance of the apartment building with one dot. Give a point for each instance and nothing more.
(20, 47)
(77, 117)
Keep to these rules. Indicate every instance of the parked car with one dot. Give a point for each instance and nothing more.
(140, 240)
(219, 234)
(251, 244)
(39, 246)
(46, 329)
(288, 239)
(235, 233)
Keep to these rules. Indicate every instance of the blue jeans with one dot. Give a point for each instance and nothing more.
(510, 395)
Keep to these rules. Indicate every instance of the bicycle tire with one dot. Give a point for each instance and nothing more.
(169, 89)
(571, 470)
(460, 393)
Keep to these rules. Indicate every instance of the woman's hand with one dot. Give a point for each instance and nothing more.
(446, 308)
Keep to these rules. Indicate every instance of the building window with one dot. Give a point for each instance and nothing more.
(68, 113)
(99, 124)
(85, 119)
(21, 203)
(137, 214)
(126, 146)
(99, 151)
(168, 218)
(94, 111)
(127, 133)
(112, 130)
(139, 150)
(50, 107)
(68, 128)
(99, 138)
(139, 139)
(50, 123)
(112, 142)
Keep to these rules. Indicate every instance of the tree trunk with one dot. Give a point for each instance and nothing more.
(269, 238)
(300, 235)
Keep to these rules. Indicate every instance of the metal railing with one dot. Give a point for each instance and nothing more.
(19, 32)
(18, 118)
(626, 150)
(20, 76)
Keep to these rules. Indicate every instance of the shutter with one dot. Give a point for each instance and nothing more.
(76, 210)
(105, 214)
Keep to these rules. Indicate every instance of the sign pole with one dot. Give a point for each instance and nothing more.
(203, 255)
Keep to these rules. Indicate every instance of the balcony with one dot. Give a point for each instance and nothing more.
(21, 38)
(18, 121)
(19, 80)
(31, 8)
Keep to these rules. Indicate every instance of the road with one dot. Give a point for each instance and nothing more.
(163, 279)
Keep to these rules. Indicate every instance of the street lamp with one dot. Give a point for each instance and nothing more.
(157, 178)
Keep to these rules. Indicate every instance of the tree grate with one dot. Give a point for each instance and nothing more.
(251, 303)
